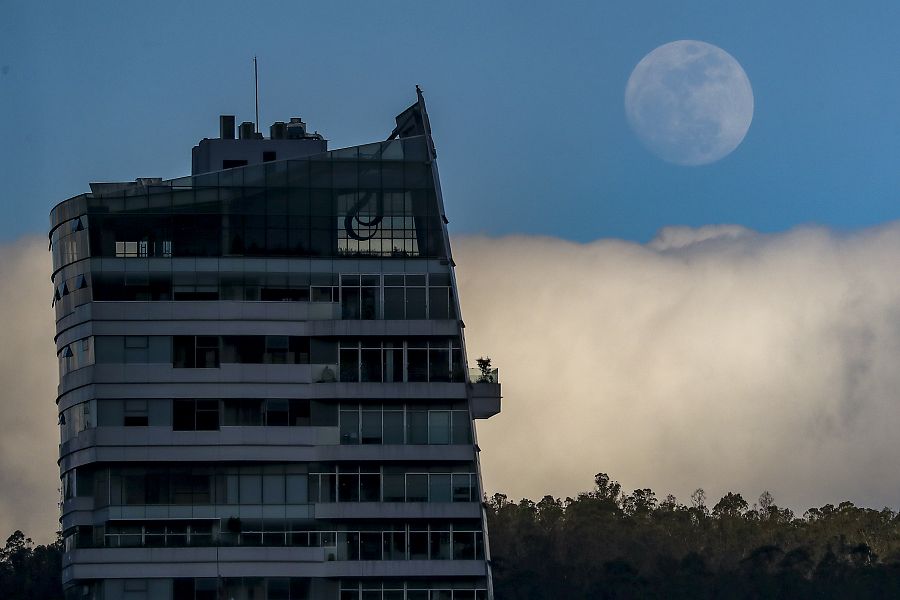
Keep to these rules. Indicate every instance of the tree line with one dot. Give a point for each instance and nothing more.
(608, 544)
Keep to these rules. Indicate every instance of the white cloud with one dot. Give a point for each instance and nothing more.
(713, 357)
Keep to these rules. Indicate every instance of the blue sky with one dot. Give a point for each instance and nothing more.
(526, 101)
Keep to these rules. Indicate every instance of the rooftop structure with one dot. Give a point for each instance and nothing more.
(263, 386)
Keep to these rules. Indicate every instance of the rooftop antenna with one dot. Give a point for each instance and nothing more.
(256, 85)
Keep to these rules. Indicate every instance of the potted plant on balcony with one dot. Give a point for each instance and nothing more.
(484, 368)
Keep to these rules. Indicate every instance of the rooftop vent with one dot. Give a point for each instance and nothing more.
(247, 130)
(296, 129)
(226, 127)
(278, 130)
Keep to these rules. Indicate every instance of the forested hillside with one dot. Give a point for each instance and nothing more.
(607, 544)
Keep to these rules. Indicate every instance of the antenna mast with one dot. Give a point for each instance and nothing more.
(256, 85)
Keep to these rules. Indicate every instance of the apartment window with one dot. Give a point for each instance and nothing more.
(135, 413)
(350, 426)
(195, 415)
(201, 352)
(243, 412)
(76, 419)
(360, 296)
(394, 297)
(440, 301)
(277, 412)
(415, 297)
(324, 293)
(368, 360)
(76, 355)
(394, 425)
(269, 294)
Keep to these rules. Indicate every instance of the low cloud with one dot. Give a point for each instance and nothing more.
(715, 357)
(29, 479)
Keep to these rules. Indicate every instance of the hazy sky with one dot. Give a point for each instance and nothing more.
(754, 348)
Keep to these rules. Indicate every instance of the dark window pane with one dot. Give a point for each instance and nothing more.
(207, 417)
(392, 365)
(349, 427)
(207, 356)
(393, 427)
(370, 367)
(349, 365)
(439, 488)
(417, 365)
(183, 415)
(462, 427)
(299, 412)
(369, 306)
(394, 487)
(438, 303)
(350, 303)
(370, 487)
(394, 304)
(371, 427)
(370, 545)
(243, 412)
(417, 488)
(438, 365)
(348, 487)
(415, 303)
(439, 427)
(277, 412)
(183, 351)
(183, 589)
(418, 545)
(464, 545)
(462, 487)
(440, 545)
(417, 427)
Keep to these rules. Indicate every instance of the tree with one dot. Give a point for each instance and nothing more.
(30, 573)
(731, 505)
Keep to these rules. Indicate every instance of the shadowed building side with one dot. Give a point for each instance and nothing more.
(263, 385)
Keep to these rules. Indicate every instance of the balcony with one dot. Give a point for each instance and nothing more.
(484, 392)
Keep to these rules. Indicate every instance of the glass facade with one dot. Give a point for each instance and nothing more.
(268, 356)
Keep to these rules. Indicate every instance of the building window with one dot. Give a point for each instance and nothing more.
(76, 355)
(135, 413)
(413, 361)
(195, 415)
(410, 424)
(200, 352)
(360, 295)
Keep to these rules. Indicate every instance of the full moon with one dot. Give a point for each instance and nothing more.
(689, 102)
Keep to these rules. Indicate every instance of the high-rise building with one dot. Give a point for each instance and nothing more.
(263, 386)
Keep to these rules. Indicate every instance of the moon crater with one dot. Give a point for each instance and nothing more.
(689, 102)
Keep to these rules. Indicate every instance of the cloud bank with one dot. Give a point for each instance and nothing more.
(29, 435)
(715, 357)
